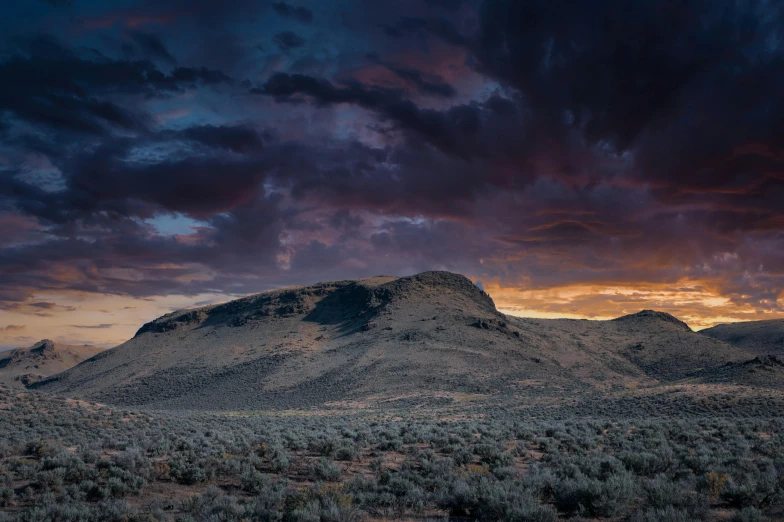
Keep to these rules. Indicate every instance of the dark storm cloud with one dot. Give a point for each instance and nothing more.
(299, 13)
(187, 185)
(679, 85)
(58, 3)
(450, 5)
(425, 87)
(528, 143)
(238, 138)
(59, 88)
(428, 86)
(152, 46)
(287, 40)
(439, 27)
(445, 129)
(109, 181)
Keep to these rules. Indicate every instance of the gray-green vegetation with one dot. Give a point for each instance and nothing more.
(62, 460)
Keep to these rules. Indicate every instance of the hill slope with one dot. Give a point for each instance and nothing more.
(764, 371)
(756, 337)
(648, 347)
(25, 366)
(433, 337)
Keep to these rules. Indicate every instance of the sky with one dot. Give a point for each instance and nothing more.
(580, 159)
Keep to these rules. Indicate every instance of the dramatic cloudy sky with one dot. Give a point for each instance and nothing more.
(580, 159)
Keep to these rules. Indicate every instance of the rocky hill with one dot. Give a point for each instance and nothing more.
(24, 366)
(757, 337)
(430, 338)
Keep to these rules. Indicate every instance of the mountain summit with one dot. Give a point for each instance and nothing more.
(652, 316)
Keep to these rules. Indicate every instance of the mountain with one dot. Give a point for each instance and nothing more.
(756, 337)
(430, 338)
(24, 366)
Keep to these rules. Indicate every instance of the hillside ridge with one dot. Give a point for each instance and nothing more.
(764, 337)
(344, 300)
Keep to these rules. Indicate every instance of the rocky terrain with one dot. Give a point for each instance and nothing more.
(433, 338)
(757, 337)
(25, 366)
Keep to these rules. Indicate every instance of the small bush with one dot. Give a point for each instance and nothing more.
(324, 469)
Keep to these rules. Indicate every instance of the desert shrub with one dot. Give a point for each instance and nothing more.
(321, 503)
(34, 514)
(661, 493)
(463, 456)
(322, 446)
(748, 514)
(751, 491)
(75, 469)
(714, 483)
(390, 444)
(267, 503)
(256, 483)
(214, 506)
(134, 461)
(667, 514)
(50, 479)
(108, 511)
(279, 459)
(6, 496)
(42, 448)
(459, 498)
(346, 451)
(186, 469)
(89, 456)
(648, 464)
(506, 473)
(595, 497)
(122, 482)
(324, 469)
(511, 502)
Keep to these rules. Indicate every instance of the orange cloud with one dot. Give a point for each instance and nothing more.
(698, 303)
(13, 328)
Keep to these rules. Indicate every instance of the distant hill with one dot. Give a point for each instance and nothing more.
(24, 366)
(756, 337)
(637, 349)
(434, 337)
(765, 371)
